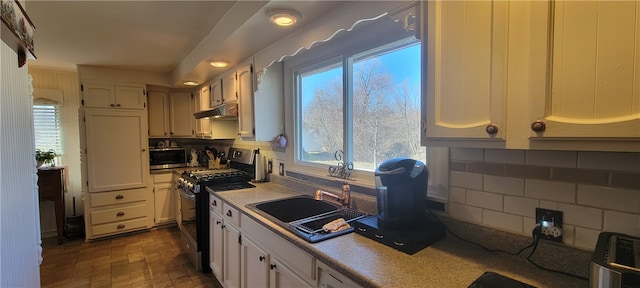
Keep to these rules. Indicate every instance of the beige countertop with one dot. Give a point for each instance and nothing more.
(447, 263)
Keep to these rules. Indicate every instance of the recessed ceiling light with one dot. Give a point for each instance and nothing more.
(218, 63)
(190, 83)
(284, 17)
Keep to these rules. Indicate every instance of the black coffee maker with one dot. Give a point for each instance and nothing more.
(403, 222)
(401, 193)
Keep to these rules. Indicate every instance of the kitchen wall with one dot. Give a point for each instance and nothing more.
(597, 191)
(67, 82)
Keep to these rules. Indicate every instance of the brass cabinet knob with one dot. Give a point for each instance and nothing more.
(538, 126)
(120, 214)
(491, 129)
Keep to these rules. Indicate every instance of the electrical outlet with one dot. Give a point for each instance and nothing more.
(281, 172)
(550, 224)
(270, 166)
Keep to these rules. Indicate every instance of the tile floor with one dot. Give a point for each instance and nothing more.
(147, 259)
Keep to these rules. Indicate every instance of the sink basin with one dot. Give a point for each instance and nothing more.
(305, 216)
(295, 208)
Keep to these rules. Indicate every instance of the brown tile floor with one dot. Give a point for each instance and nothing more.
(147, 259)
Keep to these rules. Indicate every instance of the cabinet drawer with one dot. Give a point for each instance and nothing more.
(164, 177)
(119, 227)
(231, 215)
(215, 204)
(302, 263)
(118, 197)
(118, 214)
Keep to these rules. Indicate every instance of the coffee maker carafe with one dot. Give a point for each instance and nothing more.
(401, 192)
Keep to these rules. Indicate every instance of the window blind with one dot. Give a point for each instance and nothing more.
(47, 128)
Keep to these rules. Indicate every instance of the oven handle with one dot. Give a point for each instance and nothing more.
(187, 195)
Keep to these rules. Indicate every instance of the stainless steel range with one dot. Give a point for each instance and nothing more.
(194, 200)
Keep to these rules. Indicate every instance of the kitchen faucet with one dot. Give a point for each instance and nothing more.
(344, 199)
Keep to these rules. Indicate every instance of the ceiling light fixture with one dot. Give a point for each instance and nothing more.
(284, 17)
(190, 83)
(218, 63)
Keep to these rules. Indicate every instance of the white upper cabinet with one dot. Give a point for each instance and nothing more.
(113, 95)
(229, 87)
(465, 48)
(181, 114)
(216, 92)
(203, 102)
(587, 82)
(158, 113)
(244, 85)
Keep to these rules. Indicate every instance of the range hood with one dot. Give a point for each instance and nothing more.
(220, 111)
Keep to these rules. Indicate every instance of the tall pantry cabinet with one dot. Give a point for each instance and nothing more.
(114, 171)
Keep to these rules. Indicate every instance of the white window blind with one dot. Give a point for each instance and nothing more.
(47, 128)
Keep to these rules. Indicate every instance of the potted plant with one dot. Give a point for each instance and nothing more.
(45, 157)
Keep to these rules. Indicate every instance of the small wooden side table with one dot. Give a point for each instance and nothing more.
(51, 187)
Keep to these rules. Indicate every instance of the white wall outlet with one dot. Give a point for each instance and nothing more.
(550, 222)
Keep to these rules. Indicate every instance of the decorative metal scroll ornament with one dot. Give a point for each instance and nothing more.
(343, 169)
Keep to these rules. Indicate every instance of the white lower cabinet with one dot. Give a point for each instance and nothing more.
(164, 202)
(231, 266)
(282, 277)
(330, 278)
(255, 265)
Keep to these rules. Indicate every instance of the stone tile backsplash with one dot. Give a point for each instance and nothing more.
(597, 191)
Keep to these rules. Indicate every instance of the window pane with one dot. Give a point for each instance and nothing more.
(321, 113)
(47, 129)
(386, 107)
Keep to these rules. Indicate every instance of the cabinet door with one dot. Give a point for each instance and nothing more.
(245, 101)
(131, 97)
(282, 277)
(98, 95)
(586, 82)
(465, 51)
(116, 148)
(158, 114)
(216, 92)
(216, 248)
(165, 210)
(181, 114)
(255, 265)
(231, 266)
(203, 102)
(229, 88)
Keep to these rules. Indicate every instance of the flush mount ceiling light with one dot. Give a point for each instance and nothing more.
(218, 63)
(284, 17)
(190, 83)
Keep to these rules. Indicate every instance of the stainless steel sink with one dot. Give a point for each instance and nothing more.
(305, 216)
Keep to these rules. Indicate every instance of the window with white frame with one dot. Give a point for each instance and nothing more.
(47, 127)
(363, 101)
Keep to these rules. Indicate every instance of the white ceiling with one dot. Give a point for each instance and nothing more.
(172, 37)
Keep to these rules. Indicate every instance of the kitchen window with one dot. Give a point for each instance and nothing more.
(47, 127)
(378, 107)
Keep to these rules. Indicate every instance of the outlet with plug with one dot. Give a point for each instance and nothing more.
(550, 222)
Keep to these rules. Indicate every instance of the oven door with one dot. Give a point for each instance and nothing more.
(190, 227)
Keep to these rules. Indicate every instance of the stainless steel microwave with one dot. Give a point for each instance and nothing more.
(165, 158)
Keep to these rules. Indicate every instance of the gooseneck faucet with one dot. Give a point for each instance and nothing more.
(344, 199)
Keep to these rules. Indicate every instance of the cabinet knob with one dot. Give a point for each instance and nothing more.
(261, 258)
(121, 226)
(112, 105)
(223, 226)
(538, 126)
(120, 214)
(229, 213)
(117, 105)
(144, 149)
(491, 129)
(214, 203)
(272, 266)
(119, 197)
(218, 222)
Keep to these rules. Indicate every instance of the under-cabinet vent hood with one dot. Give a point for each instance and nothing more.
(221, 111)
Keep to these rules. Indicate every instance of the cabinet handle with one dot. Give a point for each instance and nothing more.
(121, 226)
(112, 105)
(491, 129)
(119, 197)
(218, 222)
(229, 213)
(538, 126)
(120, 214)
(272, 266)
(261, 258)
(117, 105)
(223, 226)
(214, 203)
